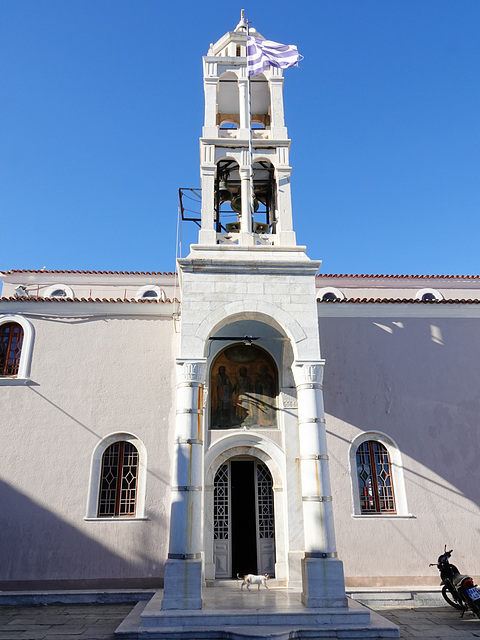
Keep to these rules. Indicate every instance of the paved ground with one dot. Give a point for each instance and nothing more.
(443, 622)
(99, 621)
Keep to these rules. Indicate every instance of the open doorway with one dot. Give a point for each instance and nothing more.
(244, 524)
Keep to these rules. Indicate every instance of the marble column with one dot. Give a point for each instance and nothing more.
(244, 131)
(322, 573)
(183, 569)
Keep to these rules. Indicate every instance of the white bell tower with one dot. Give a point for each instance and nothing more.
(230, 159)
(248, 268)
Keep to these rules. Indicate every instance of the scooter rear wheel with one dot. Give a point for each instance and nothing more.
(475, 607)
(450, 598)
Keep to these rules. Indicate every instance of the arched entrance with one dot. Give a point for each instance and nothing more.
(243, 518)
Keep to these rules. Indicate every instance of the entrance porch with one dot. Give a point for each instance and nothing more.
(235, 614)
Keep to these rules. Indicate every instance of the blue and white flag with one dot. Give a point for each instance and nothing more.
(262, 53)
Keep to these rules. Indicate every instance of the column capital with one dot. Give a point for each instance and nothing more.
(308, 371)
(192, 370)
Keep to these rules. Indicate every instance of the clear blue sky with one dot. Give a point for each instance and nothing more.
(101, 109)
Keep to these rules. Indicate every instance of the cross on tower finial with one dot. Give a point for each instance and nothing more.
(241, 26)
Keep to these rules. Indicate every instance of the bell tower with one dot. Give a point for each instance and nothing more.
(247, 274)
(245, 170)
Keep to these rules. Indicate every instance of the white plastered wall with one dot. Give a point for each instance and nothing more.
(90, 378)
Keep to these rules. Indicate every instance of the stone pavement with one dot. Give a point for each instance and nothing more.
(99, 621)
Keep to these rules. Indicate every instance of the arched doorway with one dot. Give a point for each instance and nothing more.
(243, 519)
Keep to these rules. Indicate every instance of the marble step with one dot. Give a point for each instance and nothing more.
(355, 621)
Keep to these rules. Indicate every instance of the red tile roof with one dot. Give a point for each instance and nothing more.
(399, 301)
(127, 300)
(121, 273)
(377, 275)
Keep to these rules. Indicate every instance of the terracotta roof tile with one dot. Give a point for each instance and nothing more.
(120, 273)
(411, 277)
(63, 300)
(399, 301)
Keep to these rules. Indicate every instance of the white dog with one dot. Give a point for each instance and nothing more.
(251, 579)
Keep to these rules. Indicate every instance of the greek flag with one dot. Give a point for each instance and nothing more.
(262, 53)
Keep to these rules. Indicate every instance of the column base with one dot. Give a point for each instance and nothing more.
(182, 585)
(323, 583)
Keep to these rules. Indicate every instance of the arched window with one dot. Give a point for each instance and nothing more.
(58, 291)
(11, 340)
(329, 296)
(150, 292)
(118, 482)
(378, 485)
(330, 293)
(375, 481)
(428, 295)
(16, 347)
(117, 478)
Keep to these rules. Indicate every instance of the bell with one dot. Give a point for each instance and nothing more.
(236, 204)
(224, 192)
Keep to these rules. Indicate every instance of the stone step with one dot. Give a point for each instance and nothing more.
(291, 623)
(320, 617)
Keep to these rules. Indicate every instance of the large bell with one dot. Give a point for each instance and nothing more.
(236, 204)
(224, 192)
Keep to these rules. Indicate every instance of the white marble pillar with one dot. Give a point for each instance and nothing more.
(284, 231)
(277, 121)
(322, 573)
(246, 226)
(243, 99)
(183, 569)
(207, 234)
(210, 83)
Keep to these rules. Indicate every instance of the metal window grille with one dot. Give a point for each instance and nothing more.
(375, 478)
(220, 504)
(118, 485)
(11, 339)
(266, 520)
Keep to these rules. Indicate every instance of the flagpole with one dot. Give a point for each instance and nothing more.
(250, 145)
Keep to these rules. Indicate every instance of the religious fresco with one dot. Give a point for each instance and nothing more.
(243, 389)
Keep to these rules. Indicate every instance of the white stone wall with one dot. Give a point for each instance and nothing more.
(417, 381)
(90, 377)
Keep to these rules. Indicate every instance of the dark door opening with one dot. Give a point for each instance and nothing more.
(243, 518)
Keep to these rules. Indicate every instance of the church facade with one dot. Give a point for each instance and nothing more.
(246, 415)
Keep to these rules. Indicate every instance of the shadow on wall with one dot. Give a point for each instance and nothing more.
(414, 379)
(37, 547)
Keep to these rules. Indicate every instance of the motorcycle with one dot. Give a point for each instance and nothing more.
(458, 590)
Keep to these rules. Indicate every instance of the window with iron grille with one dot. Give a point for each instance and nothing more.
(118, 483)
(375, 478)
(11, 339)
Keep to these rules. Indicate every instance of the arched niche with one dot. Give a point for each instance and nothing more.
(265, 190)
(227, 196)
(243, 388)
(260, 99)
(228, 98)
